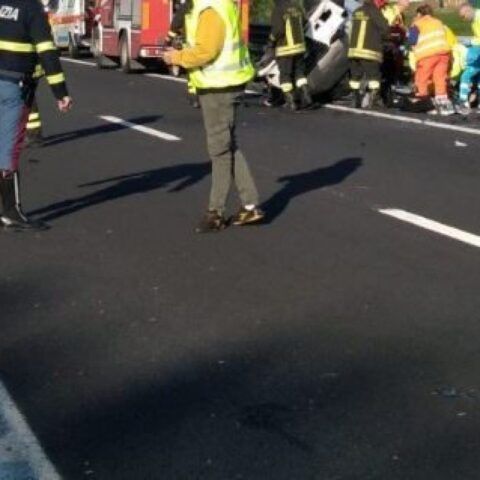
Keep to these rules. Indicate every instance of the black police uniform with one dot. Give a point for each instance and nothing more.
(25, 41)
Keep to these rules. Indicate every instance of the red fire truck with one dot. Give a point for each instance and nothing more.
(130, 33)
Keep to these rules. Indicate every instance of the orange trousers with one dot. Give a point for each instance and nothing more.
(432, 68)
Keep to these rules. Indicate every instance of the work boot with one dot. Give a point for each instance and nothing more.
(374, 100)
(290, 101)
(12, 216)
(356, 99)
(212, 222)
(306, 101)
(248, 216)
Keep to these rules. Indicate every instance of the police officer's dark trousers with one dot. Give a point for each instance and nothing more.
(367, 70)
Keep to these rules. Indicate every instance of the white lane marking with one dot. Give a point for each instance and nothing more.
(166, 77)
(80, 62)
(404, 119)
(20, 450)
(140, 128)
(433, 226)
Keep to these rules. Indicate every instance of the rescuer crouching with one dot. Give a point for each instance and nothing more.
(288, 38)
(369, 32)
(219, 67)
(25, 40)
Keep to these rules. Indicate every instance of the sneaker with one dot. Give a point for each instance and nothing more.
(211, 222)
(248, 217)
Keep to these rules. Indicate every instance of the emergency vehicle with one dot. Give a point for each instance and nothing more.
(131, 33)
(72, 22)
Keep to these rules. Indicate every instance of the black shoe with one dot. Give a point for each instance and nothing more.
(211, 222)
(306, 101)
(17, 220)
(12, 217)
(248, 217)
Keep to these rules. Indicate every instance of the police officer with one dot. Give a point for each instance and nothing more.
(25, 41)
(288, 38)
(219, 66)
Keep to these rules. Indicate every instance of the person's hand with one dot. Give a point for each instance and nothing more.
(65, 104)
(167, 56)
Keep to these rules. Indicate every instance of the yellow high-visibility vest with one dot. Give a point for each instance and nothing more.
(233, 66)
(432, 39)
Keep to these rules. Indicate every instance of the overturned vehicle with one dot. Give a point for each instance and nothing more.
(327, 50)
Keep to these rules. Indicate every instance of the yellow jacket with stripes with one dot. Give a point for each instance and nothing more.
(26, 41)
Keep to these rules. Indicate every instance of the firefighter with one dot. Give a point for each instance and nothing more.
(176, 39)
(219, 65)
(432, 52)
(369, 32)
(288, 38)
(471, 74)
(25, 40)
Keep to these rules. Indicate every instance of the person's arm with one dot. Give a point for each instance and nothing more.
(209, 40)
(278, 25)
(47, 52)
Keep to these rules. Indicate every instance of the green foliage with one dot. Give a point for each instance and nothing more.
(450, 17)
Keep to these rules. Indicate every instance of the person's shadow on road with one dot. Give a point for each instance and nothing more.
(177, 177)
(301, 183)
(97, 130)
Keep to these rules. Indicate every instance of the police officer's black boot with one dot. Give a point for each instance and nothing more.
(306, 101)
(375, 100)
(12, 216)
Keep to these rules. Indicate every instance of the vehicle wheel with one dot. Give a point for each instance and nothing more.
(125, 60)
(73, 49)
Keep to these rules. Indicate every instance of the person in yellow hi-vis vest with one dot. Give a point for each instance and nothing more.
(219, 67)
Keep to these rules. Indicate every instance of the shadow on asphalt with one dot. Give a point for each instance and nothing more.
(99, 130)
(122, 186)
(301, 183)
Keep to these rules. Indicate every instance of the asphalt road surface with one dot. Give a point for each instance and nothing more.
(335, 342)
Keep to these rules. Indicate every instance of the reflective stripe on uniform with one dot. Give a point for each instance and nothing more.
(364, 54)
(33, 116)
(17, 47)
(45, 47)
(55, 79)
(34, 125)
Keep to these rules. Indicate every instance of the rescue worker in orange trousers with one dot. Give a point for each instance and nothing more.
(428, 38)
(288, 38)
(368, 35)
(219, 66)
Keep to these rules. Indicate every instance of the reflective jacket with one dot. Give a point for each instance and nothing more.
(369, 32)
(26, 41)
(432, 38)
(232, 67)
(288, 20)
